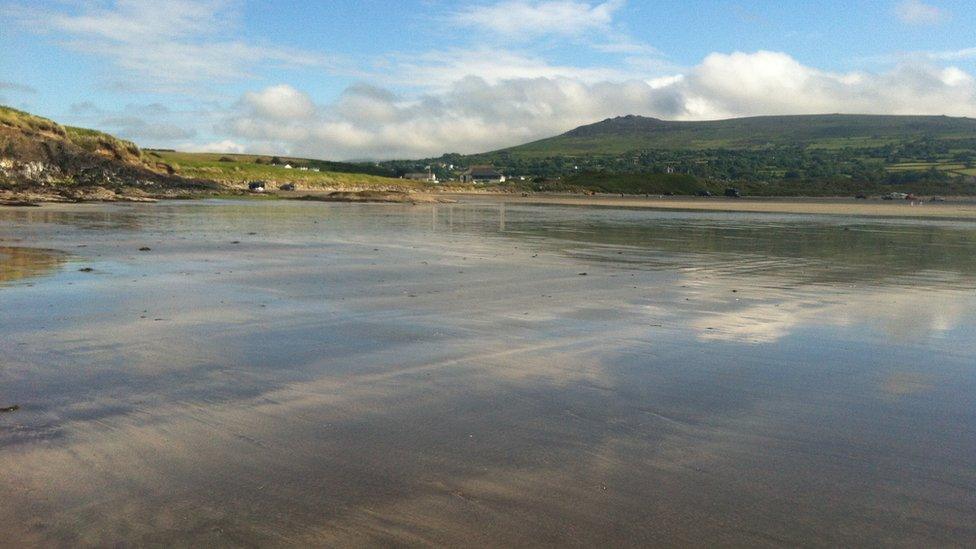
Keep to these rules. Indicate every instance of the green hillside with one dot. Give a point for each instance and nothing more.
(239, 169)
(830, 131)
(229, 161)
(776, 155)
(40, 153)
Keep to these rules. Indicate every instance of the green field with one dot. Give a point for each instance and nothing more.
(239, 169)
(30, 138)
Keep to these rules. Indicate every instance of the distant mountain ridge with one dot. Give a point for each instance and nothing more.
(632, 132)
(811, 155)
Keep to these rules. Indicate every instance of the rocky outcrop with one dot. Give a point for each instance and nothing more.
(40, 157)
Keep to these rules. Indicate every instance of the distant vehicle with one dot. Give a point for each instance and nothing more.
(704, 193)
(256, 186)
(732, 192)
(861, 196)
(895, 196)
(287, 187)
(937, 199)
(668, 193)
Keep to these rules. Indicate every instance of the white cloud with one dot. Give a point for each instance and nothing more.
(442, 69)
(741, 84)
(475, 114)
(916, 12)
(281, 102)
(224, 146)
(523, 19)
(139, 129)
(15, 87)
(952, 55)
(170, 44)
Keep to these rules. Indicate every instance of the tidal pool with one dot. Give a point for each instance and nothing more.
(290, 373)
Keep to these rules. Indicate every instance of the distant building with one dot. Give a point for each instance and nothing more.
(421, 176)
(482, 174)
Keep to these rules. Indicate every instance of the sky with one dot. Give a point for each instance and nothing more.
(370, 79)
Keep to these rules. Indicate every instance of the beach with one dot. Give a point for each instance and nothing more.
(957, 208)
(497, 371)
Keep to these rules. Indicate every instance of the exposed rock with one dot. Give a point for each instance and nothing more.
(42, 157)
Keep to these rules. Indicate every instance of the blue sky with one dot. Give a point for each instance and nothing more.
(372, 79)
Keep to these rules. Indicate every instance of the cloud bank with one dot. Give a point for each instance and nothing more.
(167, 45)
(496, 84)
(475, 114)
(523, 20)
(915, 12)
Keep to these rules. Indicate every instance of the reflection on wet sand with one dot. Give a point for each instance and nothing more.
(444, 375)
(21, 263)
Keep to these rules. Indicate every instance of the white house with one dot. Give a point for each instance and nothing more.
(421, 176)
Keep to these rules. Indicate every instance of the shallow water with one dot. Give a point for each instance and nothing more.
(327, 374)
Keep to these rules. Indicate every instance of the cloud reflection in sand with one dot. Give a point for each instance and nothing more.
(414, 375)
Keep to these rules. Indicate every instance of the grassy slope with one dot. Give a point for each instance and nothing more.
(811, 155)
(29, 128)
(623, 134)
(29, 122)
(244, 168)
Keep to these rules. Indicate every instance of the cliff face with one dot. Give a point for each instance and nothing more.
(37, 152)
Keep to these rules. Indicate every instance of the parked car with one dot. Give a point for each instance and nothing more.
(861, 196)
(732, 192)
(937, 199)
(703, 192)
(287, 187)
(895, 196)
(256, 186)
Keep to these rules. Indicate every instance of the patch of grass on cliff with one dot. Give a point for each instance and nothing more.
(94, 141)
(26, 121)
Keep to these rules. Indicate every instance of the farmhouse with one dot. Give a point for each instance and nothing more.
(482, 174)
(421, 176)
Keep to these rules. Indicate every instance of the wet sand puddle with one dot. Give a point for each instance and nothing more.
(322, 374)
(20, 263)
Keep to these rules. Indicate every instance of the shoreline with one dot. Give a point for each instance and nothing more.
(961, 209)
(958, 208)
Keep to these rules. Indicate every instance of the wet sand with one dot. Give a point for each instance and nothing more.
(963, 208)
(302, 373)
